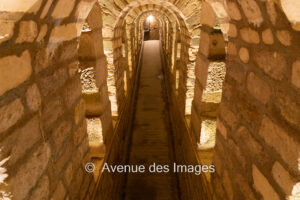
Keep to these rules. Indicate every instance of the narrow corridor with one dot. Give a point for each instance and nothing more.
(151, 139)
(91, 91)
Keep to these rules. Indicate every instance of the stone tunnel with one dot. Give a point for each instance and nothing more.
(96, 93)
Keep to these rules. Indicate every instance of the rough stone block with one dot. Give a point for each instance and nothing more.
(228, 115)
(233, 11)
(23, 6)
(60, 134)
(27, 32)
(9, 65)
(64, 33)
(86, 49)
(244, 187)
(50, 83)
(42, 189)
(289, 107)
(33, 98)
(73, 68)
(216, 46)
(208, 16)
(42, 33)
(201, 70)
(221, 128)
(52, 112)
(93, 104)
(59, 163)
(287, 147)
(104, 96)
(258, 88)
(72, 92)
(248, 143)
(290, 9)
(244, 54)
(273, 63)
(284, 37)
(82, 12)
(60, 192)
(267, 36)
(101, 71)
(227, 185)
(219, 190)
(296, 74)
(18, 142)
(237, 154)
(80, 134)
(232, 32)
(76, 183)
(10, 114)
(7, 30)
(283, 178)
(46, 9)
(272, 11)
(249, 35)
(68, 175)
(252, 11)
(218, 163)
(262, 185)
(63, 8)
(204, 43)
(29, 173)
(43, 59)
(231, 49)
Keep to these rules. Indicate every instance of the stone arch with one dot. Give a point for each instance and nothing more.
(118, 30)
(184, 35)
(141, 19)
(90, 12)
(93, 74)
(210, 67)
(189, 46)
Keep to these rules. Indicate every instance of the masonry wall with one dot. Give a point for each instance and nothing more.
(257, 145)
(43, 131)
(191, 186)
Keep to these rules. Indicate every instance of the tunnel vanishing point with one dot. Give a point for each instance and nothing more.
(198, 83)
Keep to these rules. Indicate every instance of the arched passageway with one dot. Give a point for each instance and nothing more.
(85, 83)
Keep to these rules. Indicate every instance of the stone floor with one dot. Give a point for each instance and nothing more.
(151, 136)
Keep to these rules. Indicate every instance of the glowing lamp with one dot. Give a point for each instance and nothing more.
(150, 18)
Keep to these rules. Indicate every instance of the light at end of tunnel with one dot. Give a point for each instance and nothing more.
(150, 18)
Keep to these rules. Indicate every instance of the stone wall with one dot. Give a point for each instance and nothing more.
(44, 143)
(191, 186)
(257, 147)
